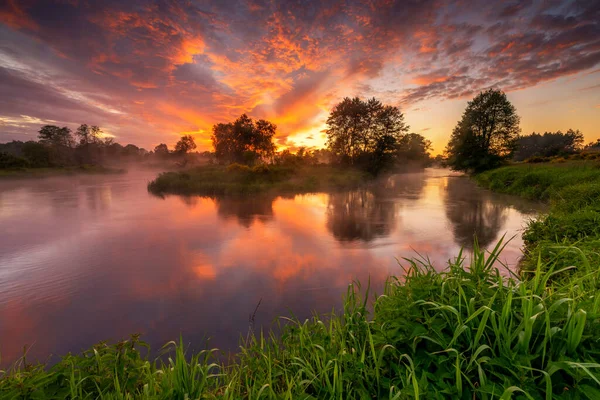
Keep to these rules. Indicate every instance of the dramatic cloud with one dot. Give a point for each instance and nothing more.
(148, 71)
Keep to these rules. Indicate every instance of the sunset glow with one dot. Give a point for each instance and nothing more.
(150, 71)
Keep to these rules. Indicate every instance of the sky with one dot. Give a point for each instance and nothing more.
(148, 72)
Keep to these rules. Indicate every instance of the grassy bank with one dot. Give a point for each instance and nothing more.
(46, 172)
(466, 333)
(240, 179)
(573, 191)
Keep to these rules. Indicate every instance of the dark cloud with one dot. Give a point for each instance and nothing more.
(168, 66)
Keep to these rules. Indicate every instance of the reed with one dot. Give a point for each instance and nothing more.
(569, 234)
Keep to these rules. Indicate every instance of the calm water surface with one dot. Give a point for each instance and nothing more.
(91, 258)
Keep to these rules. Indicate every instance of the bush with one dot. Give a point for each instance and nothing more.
(8, 161)
(235, 167)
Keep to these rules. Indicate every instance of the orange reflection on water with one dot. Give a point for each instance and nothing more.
(99, 258)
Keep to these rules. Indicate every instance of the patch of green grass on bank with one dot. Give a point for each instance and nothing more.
(240, 179)
(573, 191)
(45, 172)
(465, 333)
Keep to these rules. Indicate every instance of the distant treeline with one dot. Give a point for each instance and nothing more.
(364, 134)
(488, 135)
(537, 146)
(60, 147)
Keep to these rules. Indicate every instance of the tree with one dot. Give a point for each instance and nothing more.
(55, 136)
(38, 155)
(185, 144)
(244, 140)
(161, 150)
(365, 132)
(486, 134)
(88, 134)
(549, 144)
(593, 146)
(414, 147)
(131, 150)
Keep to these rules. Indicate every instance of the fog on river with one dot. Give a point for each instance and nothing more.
(91, 258)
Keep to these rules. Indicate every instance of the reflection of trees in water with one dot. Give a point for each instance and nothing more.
(246, 209)
(368, 214)
(473, 212)
(359, 215)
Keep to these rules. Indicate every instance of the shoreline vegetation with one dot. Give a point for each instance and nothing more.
(59, 171)
(463, 333)
(569, 233)
(238, 179)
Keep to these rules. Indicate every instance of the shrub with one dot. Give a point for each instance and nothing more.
(8, 161)
(235, 167)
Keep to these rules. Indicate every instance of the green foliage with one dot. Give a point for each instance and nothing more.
(38, 155)
(365, 133)
(8, 161)
(244, 141)
(573, 190)
(486, 134)
(464, 333)
(212, 180)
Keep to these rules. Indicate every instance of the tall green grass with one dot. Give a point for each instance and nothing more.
(573, 191)
(465, 333)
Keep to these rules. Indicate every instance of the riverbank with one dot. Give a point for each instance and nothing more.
(240, 179)
(463, 333)
(46, 172)
(569, 234)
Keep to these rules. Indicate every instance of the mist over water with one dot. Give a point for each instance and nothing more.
(91, 258)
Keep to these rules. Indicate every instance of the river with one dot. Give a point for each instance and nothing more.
(89, 258)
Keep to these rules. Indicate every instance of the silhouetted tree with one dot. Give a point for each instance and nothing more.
(593, 146)
(88, 134)
(38, 155)
(9, 161)
(55, 136)
(244, 140)
(414, 147)
(161, 150)
(303, 156)
(365, 133)
(486, 134)
(549, 144)
(185, 144)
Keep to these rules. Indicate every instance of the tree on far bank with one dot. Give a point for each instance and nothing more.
(244, 141)
(185, 144)
(55, 136)
(413, 147)
(486, 134)
(88, 134)
(549, 144)
(161, 150)
(593, 146)
(365, 133)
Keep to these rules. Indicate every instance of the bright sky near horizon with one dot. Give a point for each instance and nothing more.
(150, 71)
